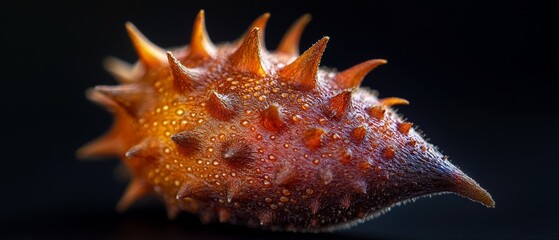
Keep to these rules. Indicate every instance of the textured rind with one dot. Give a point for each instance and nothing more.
(238, 134)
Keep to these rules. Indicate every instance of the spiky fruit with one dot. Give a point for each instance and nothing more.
(241, 135)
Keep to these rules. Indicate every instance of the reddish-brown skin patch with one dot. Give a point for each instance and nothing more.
(238, 134)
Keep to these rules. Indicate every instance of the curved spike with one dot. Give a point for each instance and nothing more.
(187, 141)
(377, 112)
(290, 42)
(352, 77)
(122, 71)
(313, 138)
(392, 101)
(303, 71)
(184, 78)
(201, 47)
(150, 54)
(271, 119)
(404, 127)
(129, 96)
(219, 107)
(247, 57)
(260, 23)
(359, 133)
(469, 188)
(339, 104)
(136, 190)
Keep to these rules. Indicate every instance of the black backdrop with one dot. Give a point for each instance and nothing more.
(479, 77)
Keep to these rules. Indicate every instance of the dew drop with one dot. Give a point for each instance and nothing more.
(272, 157)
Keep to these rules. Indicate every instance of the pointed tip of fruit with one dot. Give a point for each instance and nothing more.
(469, 188)
(247, 57)
(302, 72)
(150, 54)
(290, 42)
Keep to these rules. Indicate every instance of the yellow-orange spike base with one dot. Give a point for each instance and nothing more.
(239, 135)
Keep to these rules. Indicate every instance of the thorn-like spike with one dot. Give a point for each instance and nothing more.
(172, 211)
(131, 97)
(201, 47)
(326, 175)
(290, 43)
(223, 215)
(136, 190)
(207, 217)
(377, 112)
(271, 119)
(303, 71)
(352, 77)
(265, 217)
(392, 101)
(345, 201)
(247, 57)
(187, 141)
(339, 104)
(404, 127)
(102, 100)
(107, 145)
(260, 23)
(359, 133)
(184, 78)
(360, 186)
(315, 207)
(469, 188)
(219, 107)
(313, 138)
(346, 156)
(287, 174)
(195, 188)
(150, 54)
(111, 143)
(237, 152)
(234, 188)
(138, 149)
(122, 71)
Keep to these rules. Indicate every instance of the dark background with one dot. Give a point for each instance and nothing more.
(479, 77)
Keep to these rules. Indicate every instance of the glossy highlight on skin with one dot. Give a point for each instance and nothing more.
(239, 134)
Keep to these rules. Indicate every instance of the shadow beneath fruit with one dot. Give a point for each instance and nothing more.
(144, 223)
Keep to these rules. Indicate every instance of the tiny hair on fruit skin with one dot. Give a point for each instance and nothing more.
(240, 134)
